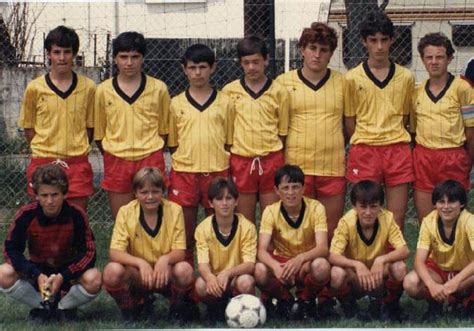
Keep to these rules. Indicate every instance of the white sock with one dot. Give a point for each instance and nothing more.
(76, 297)
(25, 293)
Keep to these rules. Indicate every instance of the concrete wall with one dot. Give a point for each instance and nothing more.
(13, 82)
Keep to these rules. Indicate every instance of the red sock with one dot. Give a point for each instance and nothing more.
(309, 289)
(124, 297)
(466, 301)
(276, 289)
(181, 293)
(394, 290)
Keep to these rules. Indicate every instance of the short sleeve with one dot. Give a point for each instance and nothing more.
(100, 119)
(268, 221)
(395, 236)
(120, 235)
(320, 223)
(28, 108)
(202, 246)
(179, 234)
(340, 239)
(173, 130)
(424, 237)
(249, 244)
(163, 126)
(283, 111)
(90, 105)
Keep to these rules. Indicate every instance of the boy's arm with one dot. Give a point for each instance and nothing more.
(452, 285)
(161, 266)
(212, 284)
(436, 290)
(126, 259)
(364, 276)
(378, 267)
(264, 256)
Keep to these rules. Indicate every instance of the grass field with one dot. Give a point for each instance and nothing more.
(102, 313)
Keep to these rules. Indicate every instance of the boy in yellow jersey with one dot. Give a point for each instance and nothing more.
(131, 120)
(315, 139)
(296, 227)
(147, 253)
(444, 120)
(379, 96)
(444, 260)
(226, 246)
(260, 128)
(57, 116)
(362, 262)
(201, 130)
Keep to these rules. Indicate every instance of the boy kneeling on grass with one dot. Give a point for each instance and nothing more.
(61, 251)
(226, 245)
(147, 253)
(366, 254)
(444, 260)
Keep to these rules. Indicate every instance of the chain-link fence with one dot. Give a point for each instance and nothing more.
(170, 28)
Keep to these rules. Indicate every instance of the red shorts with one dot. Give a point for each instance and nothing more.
(188, 189)
(252, 175)
(391, 164)
(118, 172)
(324, 186)
(445, 275)
(433, 166)
(78, 171)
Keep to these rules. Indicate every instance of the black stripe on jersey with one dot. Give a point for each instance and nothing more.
(254, 95)
(368, 241)
(311, 85)
(60, 93)
(205, 105)
(441, 94)
(135, 96)
(380, 84)
(159, 221)
(225, 241)
(450, 240)
(294, 225)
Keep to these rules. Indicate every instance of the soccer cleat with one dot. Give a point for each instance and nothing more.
(216, 311)
(392, 311)
(66, 315)
(39, 315)
(270, 307)
(433, 312)
(305, 310)
(284, 308)
(349, 307)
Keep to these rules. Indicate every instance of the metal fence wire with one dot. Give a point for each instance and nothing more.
(272, 20)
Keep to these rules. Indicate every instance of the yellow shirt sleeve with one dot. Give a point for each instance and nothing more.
(321, 223)
(267, 222)
(340, 240)
(249, 245)
(28, 108)
(424, 237)
(179, 234)
(173, 130)
(230, 118)
(283, 112)
(395, 236)
(100, 119)
(470, 232)
(163, 127)
(120, 235)
(90, 106)
(202, 246)
(349, 102)
(408, 104)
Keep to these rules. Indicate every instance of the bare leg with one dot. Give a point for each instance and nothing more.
(423, 204)
(246, 206)
(267, 199)
(334, 209)
(80, 201)
(397, 201)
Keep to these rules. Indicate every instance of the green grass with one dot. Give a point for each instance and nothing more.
(102, 313)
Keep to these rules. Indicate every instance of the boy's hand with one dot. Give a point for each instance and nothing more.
(223, 279)
(146, 274)
(364, 276)
(161, 272)
(291, 267)
(213, 287)
(451, 286)
(56, 281)
(437, 291)
(377, 272)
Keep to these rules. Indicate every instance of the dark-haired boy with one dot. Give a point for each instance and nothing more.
(57, 116)
(315, 139)
(443, 122)
(201, 129)
(131, 120)
(362, 262)
(61, 251)
(444, 260)
(379, 96)
(296, 228)
(226, 247)
(260, 128)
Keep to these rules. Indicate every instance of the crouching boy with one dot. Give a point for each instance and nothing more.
(226, 245)
(58, 276)
(147, 253)
(444, 260)
(297, 229)
(366, 254)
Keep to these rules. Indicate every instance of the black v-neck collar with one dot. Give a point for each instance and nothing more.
(311, 85)
(250, 92)
(380, 84)
(450, 240)
(225, 241)
(294, 225)
(368, 241)
(60, 93)
(124, 96)
(441, 94)
(152, 232)
(205, 105)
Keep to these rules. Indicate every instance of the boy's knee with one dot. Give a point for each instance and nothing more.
(183, 273)
(8, 276)
(114, 274)
(398, 270)
(412, 283)
(261, 273)
(91, 280)
(321, 269)
(338, 277)
(245, 284)
(200, 287)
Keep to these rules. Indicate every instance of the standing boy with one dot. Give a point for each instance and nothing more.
(380, 94)
(226, 245)
(61, 251)
(444, 122)
(296, 228)
(444, 260)
(147, 252)
(131, 120)
(361, 261)
(201, 129)
(57, 116)
(315, 137)
(260, 128)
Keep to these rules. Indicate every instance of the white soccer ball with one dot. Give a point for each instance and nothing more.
(245, 311)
